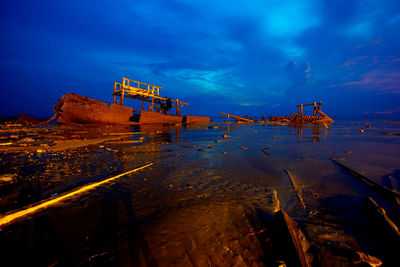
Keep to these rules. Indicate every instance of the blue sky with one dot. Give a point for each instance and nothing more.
(242, 57)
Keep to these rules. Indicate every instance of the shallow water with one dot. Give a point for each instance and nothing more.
(203, 197)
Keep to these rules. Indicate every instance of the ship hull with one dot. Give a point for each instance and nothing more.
(74, 109)
(196, 119)
(150, 117)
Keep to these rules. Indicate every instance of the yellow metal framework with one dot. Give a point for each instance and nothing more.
(133, 88)
(142, 91)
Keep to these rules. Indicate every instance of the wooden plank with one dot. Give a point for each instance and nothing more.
(380, 189)
(297, 245)
(297, 189)
(381, 213)
(237, 117)
(265, 150)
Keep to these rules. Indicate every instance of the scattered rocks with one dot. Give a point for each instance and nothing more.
(395, 134)
(27, 140)
(339, 159)
(188, 146)
(8, 178)
(370, 260)
(27, 120)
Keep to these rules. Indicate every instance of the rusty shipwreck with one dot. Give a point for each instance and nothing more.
(318, 117)
(74, 108)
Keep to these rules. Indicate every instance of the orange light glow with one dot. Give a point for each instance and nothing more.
(18, 214)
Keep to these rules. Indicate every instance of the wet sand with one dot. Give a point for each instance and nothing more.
(205, 201)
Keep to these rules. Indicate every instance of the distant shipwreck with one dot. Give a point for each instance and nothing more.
(74, 108)
(318, 116)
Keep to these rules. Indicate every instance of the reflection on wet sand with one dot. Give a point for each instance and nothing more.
(194, 208)
(318, 131)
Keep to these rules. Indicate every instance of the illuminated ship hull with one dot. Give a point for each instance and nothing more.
(74, 109)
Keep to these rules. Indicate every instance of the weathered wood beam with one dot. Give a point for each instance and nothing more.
(380, 189)
(381, 213)
(296, 189)
(237, 117)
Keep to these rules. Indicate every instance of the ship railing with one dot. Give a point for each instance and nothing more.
(133, 87)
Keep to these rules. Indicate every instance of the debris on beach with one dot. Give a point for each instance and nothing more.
(318, 115)
(239, 119)
(23, 120)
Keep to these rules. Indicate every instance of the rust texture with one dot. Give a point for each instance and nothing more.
(150, 117)
(196, 119)
(74, 108)
(317, 117)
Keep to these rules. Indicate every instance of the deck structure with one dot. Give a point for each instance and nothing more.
(146, 93)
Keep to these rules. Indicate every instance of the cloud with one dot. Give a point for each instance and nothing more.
(243, 52)
(381, 81)
(299, 73)
(364, 60)
(371, 73)
(210, 82)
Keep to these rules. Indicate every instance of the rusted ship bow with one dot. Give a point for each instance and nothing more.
(74, 108)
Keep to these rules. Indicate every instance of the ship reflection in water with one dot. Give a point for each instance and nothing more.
(211, 197)
(318, 131)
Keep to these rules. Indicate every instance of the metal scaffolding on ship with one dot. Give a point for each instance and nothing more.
(146, 93)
